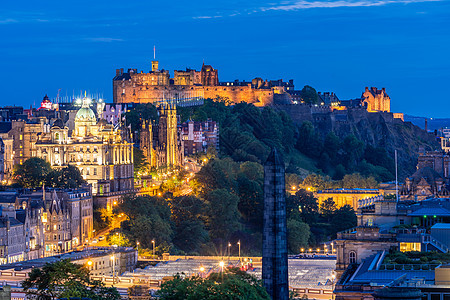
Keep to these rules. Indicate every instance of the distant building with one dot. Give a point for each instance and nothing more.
(161, 143)
(198, 136)
(101, 151)
(152, 87)
(376, 100)
(343, 197)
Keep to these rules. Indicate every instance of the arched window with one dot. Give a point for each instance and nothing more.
(352, 257)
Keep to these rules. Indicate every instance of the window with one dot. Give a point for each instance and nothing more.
(370, 222)
(402, 222)
(352, 257)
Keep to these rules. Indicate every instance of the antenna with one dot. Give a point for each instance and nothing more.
(154, 52)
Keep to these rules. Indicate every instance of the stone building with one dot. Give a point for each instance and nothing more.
(67, 219)
(139, 87)
(376, 100)
(12, 238)
(343, 197)
(161, 143)
(198, 136)
(101, 151)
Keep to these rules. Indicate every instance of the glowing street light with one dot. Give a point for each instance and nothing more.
(239, 244)
(113, 260)
(221, 264)
(153, 243)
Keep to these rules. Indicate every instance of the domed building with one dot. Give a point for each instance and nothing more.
(102, 152)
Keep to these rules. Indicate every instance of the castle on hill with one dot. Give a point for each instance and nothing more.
(156, 86)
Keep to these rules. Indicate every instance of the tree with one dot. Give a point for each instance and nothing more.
(298, 234)
(343, 218)
(32, 172)
(309, 95)
(68, 177)
(63, 279)
(148, 219)
(141, 165)
(303, 203)
(223, 214)
(216, 174)
(232, 284)
(316, 182)
(308, 143)
(251, 200)
(327, 208)
(117, 238)
(142, 111)
(187, 216)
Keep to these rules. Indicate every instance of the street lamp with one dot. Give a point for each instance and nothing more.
(239, 244)
(221, 264)
(112, 257)
(333, 277)
(137, 246)
(153, 243)
(229, 250)
(89, 263)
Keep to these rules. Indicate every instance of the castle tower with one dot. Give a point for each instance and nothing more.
(275, 261)
(155, 65)
(146, 140)
(168, 135)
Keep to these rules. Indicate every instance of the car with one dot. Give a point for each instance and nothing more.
(101, 238)
(94, 241)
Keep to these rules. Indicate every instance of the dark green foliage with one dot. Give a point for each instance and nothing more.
(328, 208)
(32, 173)
(343, 218)
(232, 284)
(416, 257)
(298, 234)
(309, 95)
(144, 111)
(223, 214)
(68, 177)
(308, 142)
(63, 279)
(188, 213)
(141, 165)
(149, 219)
(303, 203)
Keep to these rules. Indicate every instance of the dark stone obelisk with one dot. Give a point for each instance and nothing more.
(275, 261)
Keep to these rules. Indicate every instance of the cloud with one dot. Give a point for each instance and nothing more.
(103, 39)
(8, 21)
(298, 5)
(208, 17)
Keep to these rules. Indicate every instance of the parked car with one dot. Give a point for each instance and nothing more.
(101, 238)
(94, 241)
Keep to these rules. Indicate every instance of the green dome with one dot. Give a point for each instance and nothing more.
(85, 113)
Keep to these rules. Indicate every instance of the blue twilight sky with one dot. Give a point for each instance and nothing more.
(339, 46)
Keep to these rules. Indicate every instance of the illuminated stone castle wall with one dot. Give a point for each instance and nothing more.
(140, 87)
(376, 100)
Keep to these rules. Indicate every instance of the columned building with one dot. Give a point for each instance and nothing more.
(102, 152)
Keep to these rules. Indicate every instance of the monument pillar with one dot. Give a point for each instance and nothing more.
(275, 261)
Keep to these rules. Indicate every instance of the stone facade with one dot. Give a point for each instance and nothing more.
(139, 87)
(161, 143)
(198, 136)
(343, 197)
(101, 151)
(376, 100)
(275, 262)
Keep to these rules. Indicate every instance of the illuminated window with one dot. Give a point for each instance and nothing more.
(406, 247)
(20, 137)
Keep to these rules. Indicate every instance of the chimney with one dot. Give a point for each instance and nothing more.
(117, 72)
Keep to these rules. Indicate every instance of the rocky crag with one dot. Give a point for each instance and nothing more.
(378, 129)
